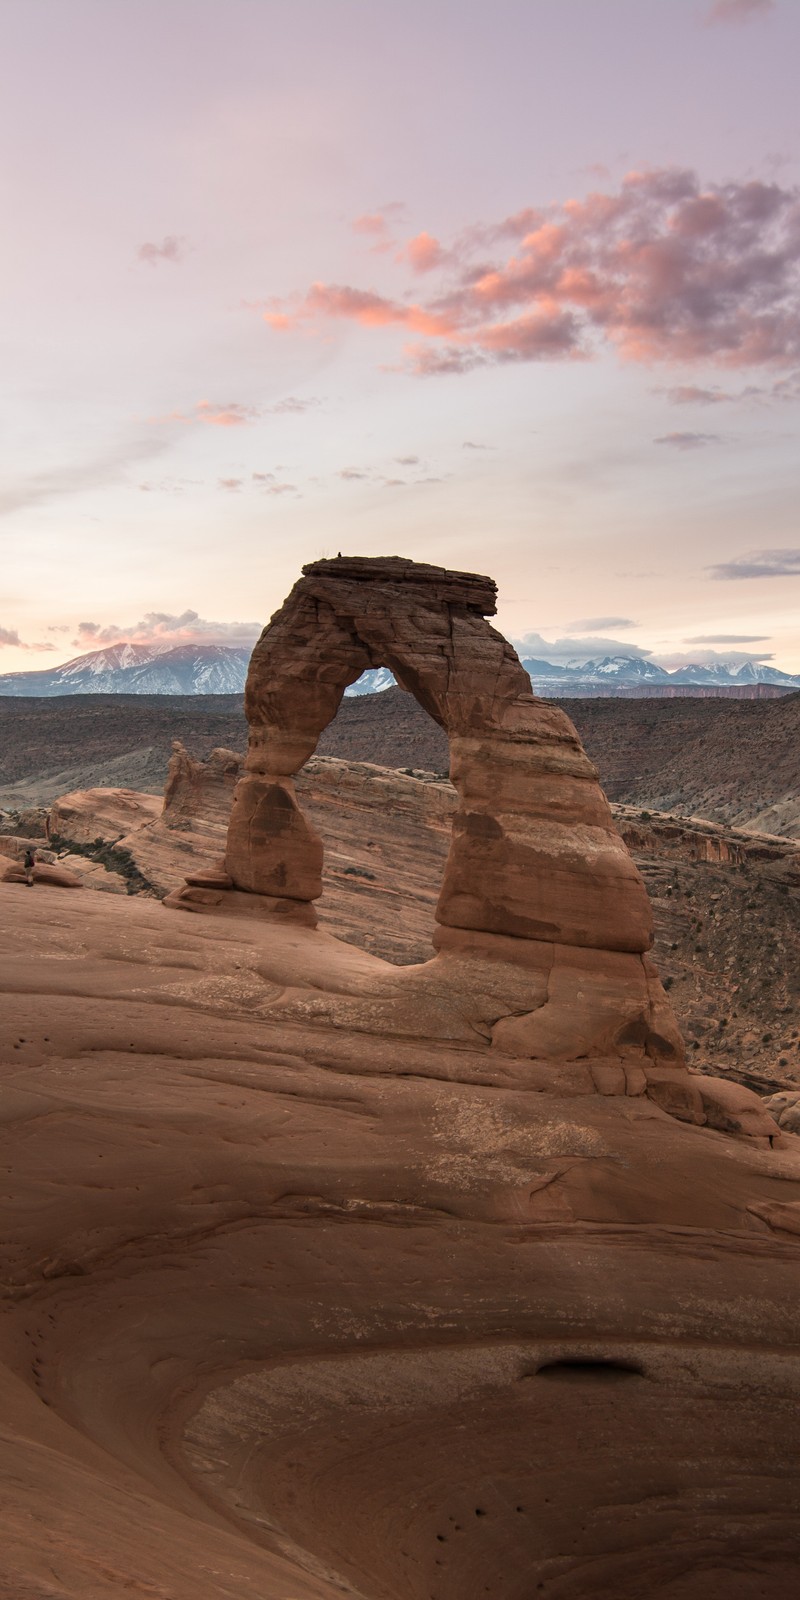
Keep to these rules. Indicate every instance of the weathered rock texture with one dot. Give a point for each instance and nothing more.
(200, 789)
(537, 879)
(297, 1311)
(84, 815)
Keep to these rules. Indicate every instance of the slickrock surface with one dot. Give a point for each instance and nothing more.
(726, 903)
(107, 814)
(297, 1311)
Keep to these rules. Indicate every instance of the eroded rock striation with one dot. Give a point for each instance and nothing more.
(302, 1310)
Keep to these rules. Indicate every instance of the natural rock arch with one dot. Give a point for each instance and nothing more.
(537, 876)
(535, 853)
(543, 922)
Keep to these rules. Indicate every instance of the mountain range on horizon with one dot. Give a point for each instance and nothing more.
(189, 669)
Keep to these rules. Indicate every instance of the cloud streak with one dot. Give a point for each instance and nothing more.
(689, 394)
(728, 638)
(598, 624)
(665, 269)
(235, 414)
(688, 441)
(783, 389)
(760, 564)
(55, 482)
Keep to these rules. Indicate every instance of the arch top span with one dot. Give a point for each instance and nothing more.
(425, 623)
(471, 589)
(535, 854)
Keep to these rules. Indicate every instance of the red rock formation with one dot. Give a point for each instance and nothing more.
(199, 788)
(52, 874)
(85, 815)
(543, 919)
(535, 853)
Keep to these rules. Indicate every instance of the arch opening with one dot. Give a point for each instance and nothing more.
(377, 792)
(598, 1369)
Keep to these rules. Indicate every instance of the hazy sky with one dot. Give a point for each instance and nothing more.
(510, 287)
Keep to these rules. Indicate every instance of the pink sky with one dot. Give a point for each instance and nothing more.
(514, 289)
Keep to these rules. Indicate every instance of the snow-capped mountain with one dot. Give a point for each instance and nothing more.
(625, 669)
(373, 681)
(139, 669)
(757, 672)
(221, 669)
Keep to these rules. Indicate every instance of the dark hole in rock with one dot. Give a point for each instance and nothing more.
(580, 1367)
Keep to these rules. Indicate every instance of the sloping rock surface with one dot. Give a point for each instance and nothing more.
(297, 1308)
(726, 903)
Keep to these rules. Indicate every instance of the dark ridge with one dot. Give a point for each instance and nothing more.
(727, 760)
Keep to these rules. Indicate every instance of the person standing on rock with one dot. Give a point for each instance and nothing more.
(30, 863)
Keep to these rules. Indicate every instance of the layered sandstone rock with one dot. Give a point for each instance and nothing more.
(535, 853)
(53, 874)
(86, 815)
(199, 790)
(537, 878)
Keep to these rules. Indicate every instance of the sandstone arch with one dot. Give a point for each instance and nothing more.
(538, 884)
(535, 853)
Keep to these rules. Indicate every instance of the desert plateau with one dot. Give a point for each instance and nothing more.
(378, 1222)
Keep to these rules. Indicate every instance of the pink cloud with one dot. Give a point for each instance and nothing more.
(358, 305)
(538, 336)
(172, 248)
(662, 270)
(378, 225)
(424, 252)
(229, 416)
(372, 223)
(738, 10)
(232, 415)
